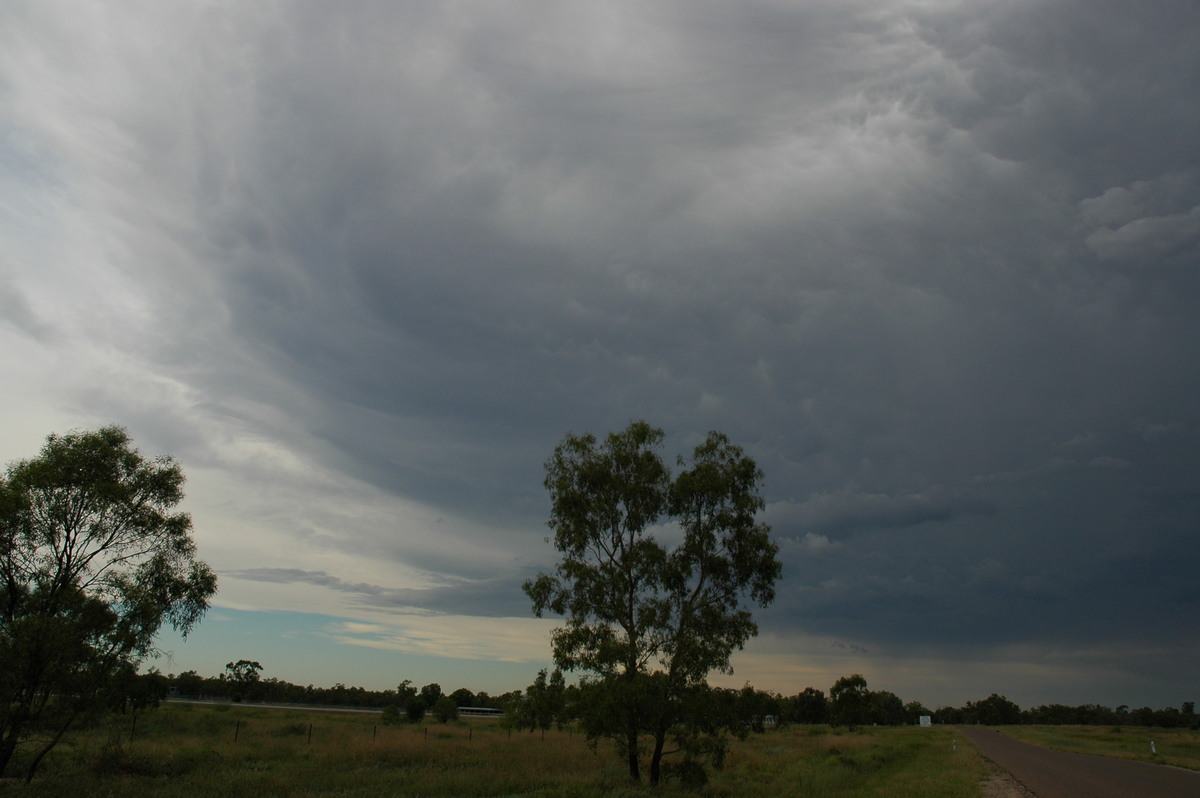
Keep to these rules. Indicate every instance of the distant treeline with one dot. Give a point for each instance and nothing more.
(999, 711)
(190, 684)
(849, 703)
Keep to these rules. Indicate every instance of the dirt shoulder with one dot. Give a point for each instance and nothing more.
(1002, 785)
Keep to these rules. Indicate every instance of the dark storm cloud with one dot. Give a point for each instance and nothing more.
(522, 242)
(933, 265)
(839, 514)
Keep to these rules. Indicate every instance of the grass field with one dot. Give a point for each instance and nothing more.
(1178, 747)
(190, 750)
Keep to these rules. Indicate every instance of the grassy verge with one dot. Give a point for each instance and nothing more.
(870, 763)
(1178, 747)
(183, 750)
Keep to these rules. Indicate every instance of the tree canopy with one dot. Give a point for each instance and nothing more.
(245, 676)
(850, 700)
(650, 620)
(93, 561)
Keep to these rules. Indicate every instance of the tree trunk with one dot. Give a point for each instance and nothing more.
(14, 727)
(37, 760)
(631, 744)
(7, 746)
(630, 699)
(660, 739)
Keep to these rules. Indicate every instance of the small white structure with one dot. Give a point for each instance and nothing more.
(926, 721)
(480, 712)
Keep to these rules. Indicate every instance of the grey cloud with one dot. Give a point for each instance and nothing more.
(849, 510)
(1037, 71)
(1142, 199)
(477, 598)
(1149, 237)
(932, 266)
(15, 310)
(1154, 431)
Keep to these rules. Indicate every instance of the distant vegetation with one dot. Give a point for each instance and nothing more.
(271, 690)
(231, 750)
(551, 703)
(999, 711)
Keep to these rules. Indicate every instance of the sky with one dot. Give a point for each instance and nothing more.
(360, 266)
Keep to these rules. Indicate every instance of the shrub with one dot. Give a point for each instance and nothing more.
(416, 709)
(689, 773)
(445, 709)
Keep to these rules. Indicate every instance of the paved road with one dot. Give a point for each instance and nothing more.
(1058, 774)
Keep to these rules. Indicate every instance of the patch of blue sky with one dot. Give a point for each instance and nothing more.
(308, 648)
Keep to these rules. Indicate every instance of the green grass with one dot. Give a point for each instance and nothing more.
(185, 750)
(869, 763)
(1178, 747)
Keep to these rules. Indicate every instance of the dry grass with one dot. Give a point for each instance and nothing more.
(182, 750)
(1178, 747)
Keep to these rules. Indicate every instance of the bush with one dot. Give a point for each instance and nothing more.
(445, 709)
(415, 708)
(689, 773)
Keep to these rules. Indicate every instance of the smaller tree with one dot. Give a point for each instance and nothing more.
(849, 701)
(189, 684)
(887, 709)
(949, 716)
(914, 710)
(544, 703)
(755, 707)
(137, 691)
(243, 678)
(711, 717)
(463, 698)
(995, 710)
(808, 706)
(430, 693)
(415, 709)
(445, 710)
(406, 692)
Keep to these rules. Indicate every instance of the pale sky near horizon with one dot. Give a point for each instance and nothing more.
(359, 267)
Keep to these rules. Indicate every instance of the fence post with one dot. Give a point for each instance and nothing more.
(310, 734)
(237, 730)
